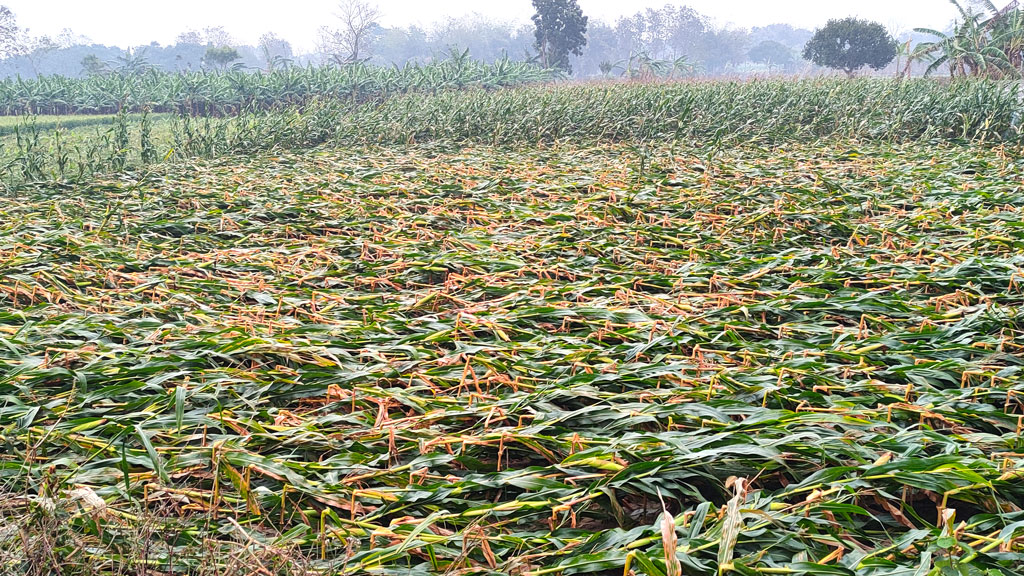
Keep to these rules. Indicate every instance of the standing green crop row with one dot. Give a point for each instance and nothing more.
(718, 114)
(734, 112)
(219, 93)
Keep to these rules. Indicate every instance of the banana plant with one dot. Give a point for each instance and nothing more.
(985, 43)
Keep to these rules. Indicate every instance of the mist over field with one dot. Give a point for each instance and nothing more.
(740, 38)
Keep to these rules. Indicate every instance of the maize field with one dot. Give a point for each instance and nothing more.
(620, 348)
(219, 93)
(714, 115)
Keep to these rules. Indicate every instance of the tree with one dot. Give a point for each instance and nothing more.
(486, 39)
(687, 28)
(36, 49)
(561, 30)
(11, 35)
(723, 48)
(400, 46)
(220, 56)
(351, 42)
(191, 37)
(67, 39)
(209, 36)
(669, 34)
(851, 44)
(133, 62)
(218, 36)
(93, 66)
(785, 34)
(771, 53)
(276, 51)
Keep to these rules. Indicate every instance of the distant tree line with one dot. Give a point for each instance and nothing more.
(356, 35)
(671, 41)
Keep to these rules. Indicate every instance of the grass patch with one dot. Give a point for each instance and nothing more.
(8, 124)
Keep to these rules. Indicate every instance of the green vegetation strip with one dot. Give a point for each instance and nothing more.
(10, 124)
(713, 115)
(799, 360)
(711, 112)
(210, 92)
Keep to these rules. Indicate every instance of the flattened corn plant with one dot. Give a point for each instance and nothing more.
(489, 361)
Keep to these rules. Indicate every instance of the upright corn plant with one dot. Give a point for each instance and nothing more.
(227, 92)
(147, 148)
(639, 114)
(121, 142)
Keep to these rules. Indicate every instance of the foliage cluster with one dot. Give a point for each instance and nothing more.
(851, 44)
(560, 31)
(987, 43)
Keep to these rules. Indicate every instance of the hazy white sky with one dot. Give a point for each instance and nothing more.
(135, 22)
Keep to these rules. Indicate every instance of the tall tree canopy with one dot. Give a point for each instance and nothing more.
(220, 56)
(561, 30)
(771, 53)
(851, 44)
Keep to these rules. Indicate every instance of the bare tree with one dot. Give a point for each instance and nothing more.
(276, 51)
(36, 49)
(12, 37)
(216, 36)
(351, 42)
(67, 38)
(190, 37)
